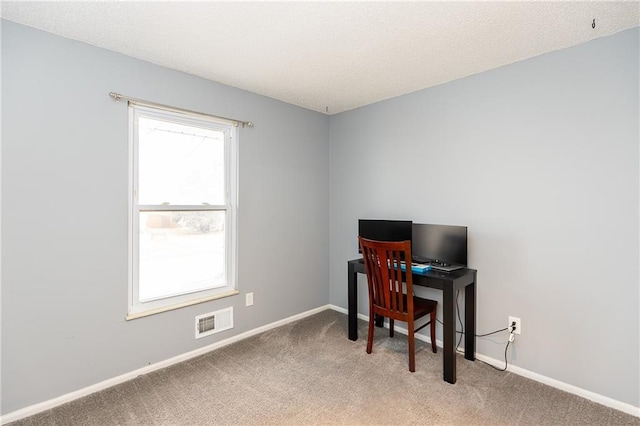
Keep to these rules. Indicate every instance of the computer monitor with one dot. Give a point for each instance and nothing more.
(444, 243)
(384, 230)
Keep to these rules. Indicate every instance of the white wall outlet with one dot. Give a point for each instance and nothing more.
(249, 299)
(518, 326)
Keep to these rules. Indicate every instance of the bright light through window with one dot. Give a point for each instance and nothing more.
(183, 210)
(180, 164)
(180, 252)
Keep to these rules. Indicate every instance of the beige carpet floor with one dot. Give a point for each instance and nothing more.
(308, 372)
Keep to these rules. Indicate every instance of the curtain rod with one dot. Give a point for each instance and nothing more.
(117, 97)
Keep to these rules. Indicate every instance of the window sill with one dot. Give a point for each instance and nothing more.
(132, 316)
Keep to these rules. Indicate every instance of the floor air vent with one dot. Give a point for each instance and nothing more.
(214, 322)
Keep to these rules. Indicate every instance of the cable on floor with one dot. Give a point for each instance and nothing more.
(506, 348)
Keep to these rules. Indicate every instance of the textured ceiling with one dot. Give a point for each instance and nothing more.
(329, 56)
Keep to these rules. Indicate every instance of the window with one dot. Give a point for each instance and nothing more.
(183, 207)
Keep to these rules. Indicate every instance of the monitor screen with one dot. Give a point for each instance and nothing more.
(440, 242)
(384, 230)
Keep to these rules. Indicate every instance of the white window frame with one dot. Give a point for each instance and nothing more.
(137, 308)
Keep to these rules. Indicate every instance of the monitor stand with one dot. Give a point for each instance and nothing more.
(437, 264)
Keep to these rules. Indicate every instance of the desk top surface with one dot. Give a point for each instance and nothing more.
(432, 273)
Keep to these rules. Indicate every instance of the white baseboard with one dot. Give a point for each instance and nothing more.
(592, 396)
(46, 405)
(52, 403)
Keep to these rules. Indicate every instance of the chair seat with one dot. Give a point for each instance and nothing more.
(422, 307)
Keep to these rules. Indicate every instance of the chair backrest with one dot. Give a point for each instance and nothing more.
(385, 278)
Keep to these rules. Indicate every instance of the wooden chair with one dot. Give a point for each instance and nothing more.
(386, 295)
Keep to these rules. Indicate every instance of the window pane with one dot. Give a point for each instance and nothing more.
(181, 252)
(179, 164)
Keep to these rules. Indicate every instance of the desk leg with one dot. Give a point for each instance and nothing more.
(379, 321)
(470, 321)
(449, 338)
(352, 302)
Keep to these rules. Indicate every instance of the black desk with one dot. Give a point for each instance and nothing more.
(448, 282)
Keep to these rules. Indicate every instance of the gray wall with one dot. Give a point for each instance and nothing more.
(64, 214)
(540, 160)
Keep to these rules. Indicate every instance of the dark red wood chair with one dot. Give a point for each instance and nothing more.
(386, 295)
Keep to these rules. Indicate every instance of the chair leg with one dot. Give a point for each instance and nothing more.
(370, 334)
(412, 347)
(390, 327)
(433, 331)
